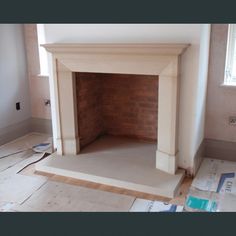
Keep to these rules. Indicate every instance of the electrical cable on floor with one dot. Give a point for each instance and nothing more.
(44, 155)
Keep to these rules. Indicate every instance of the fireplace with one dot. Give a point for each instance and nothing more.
(115, 104)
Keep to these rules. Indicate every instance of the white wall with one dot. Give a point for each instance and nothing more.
(193, 73)
(13, 76)
(200, 102)
(122, 33)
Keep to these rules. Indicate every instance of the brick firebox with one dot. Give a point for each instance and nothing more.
(116, 104)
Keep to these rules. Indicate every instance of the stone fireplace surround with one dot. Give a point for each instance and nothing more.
(110, 160)
(144, 59)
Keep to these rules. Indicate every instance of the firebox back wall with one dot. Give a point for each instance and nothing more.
(116, 104)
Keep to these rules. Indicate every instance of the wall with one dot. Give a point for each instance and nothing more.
(193, 100)
(116, 104)
(13, 83)
(38, 84)
(221, 101)
(122, 33)
(193, 76)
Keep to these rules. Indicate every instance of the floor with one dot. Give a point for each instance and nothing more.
(116, 161)
(213, 188)
(35, 191)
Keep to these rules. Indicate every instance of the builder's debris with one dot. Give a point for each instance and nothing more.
(142, 205)
(214, 187)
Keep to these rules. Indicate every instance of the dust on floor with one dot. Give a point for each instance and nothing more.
(29, 191)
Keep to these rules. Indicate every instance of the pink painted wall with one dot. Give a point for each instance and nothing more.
(221, 101)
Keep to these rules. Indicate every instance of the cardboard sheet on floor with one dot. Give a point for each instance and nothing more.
(6, 206)
(214, 187)
(216, 176)
(143, 205)
(17, 188)
(14, 152)
(10, 161)
(198, 200)
(56, 196)
(24, 143)
(23, 162)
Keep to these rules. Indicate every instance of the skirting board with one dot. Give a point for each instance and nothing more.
(219, 149)
(211, 148)
(198, 158)
(41, 125)
(17, 130)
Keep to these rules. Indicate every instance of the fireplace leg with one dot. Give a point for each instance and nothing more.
(67, 130)
(167, 149)
(166, 162)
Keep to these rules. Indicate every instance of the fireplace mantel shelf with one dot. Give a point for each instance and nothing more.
(141, 48)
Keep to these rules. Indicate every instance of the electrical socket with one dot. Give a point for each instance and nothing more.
(18, 106)
(232, 120)
(47, 102)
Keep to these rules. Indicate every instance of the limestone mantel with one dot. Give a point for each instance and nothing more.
(149, 59)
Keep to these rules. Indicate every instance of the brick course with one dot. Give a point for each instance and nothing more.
(117, 104)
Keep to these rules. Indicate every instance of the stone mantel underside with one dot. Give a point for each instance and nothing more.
(148, 59)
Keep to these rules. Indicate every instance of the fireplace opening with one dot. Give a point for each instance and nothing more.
(118, 105)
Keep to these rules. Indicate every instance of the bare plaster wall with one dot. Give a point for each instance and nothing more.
(38, 85)
(221, 101)
(13, 76)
